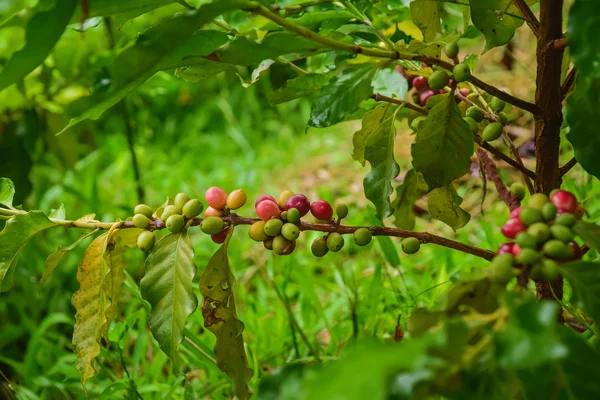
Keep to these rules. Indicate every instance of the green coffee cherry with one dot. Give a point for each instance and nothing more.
(335, 242)
(473, 125)
(526, 241)
(438, 80)
(146, 240)
(451, 49)
(212, 225)
(268, 243)
(501, 272)
(273, 226)
(180, 200)
(284, 215)
(290, 231)
(538, 200)
(257, 231)
(192, 208)
(414, 125)
(282, 246)
(536, 273)
(561, 232)
(175, 223)
(492, 132)
(549, 211)
(362, 236)
(504, 118)
(341, 210)
(566, 219)
(530, 216)
(550, 269)
(293, 215)
(517, 189)
(505, 258)
(140, 221)
(319, 247)
(461, 72)
(556, 249)
(411, 245)
(474, 112)
(497, 104)
(143, 209)
(539, 231)
(528, 257)
(168, 211)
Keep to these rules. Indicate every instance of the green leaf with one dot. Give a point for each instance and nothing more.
(443, 148)
(41, 33)
(377, 136)
(132, 8)
(7, 192)
(584, 102)
(17, 232)
(91, 302)
(298, 87)
(220, 317)
(444, 205)
(389, 250)
(426, 16)
(200, 70)
(163, 46)
(167, 286)
(590, 233)
(478, 294)
(584, 277)
(263, 66)
(10, 8)
(313, 20)
(493, 18)
(389, 82)
(55, 258)
(407, 193)
(342, 96)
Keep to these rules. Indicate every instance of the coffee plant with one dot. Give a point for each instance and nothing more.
(522, 323)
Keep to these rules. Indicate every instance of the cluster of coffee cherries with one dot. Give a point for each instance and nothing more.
(542, 237)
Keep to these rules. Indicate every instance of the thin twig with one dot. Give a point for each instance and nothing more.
(529, 16)
(380, 97)
(567, 167)
(199, 349)
(295, 9)
(492, 174)
(567, 83)
(517, 156)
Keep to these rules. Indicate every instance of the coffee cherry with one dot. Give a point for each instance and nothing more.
(566, 219)
(517, 189)
(438, 80)
(514, 214)
(282, 246)
(474, 112)
(497, 104)
(414, 125)
(504, 119)
(362, 236)
(290, 231)
(501, 273)
(268, 243)
(180, 200)
(273, 227)
(528, 257)
(526, 241)
(265, 197)
(168, 211)
(322, 210)
(565, 201)
(267, 209)
(461, 72)
(158, 213)
(492, 132)
(140, 221)
(537, 201)
(212, 212)
(146, 240)
(341, 210)
(257, 231)
(216, 197)
(549, 211)
(283, 215)
(284, 197)
(530, 216)
(576, 250)
(473, 126)
(506, 248)
(550, 269)
(143, 209)
(426, 95)
(464, 91)
(300, 202)
(516, 249)
(212, 225)
(558, 250)
(175, 223)
(319, 247)
(512, 227)
(539, 231)
(420, 83)
(192, 208)
(220, 237)
(451, 49)
(536, 273)
(335, 242)
(411, 245)
(293, 215)
(236, 199)
(561, 232)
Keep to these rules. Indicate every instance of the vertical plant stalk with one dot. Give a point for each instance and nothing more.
(548, 97)
(131, 146)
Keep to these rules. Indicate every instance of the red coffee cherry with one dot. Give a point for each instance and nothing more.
(420, 83)
(212, 212)
(265, 197)
(216, 197)
(506, 248)
(267, 209)
(512, 227)
(220, 237)
(516, 250)
(300, 202)
(565, 201)
(577, 250)
(322, 210)
(423, 97)
(514, 214)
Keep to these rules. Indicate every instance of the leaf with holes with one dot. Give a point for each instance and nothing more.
(443, 148)
(220, 317)
(167, 286)
(444, 205)
(584, 277)
(410, 190)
